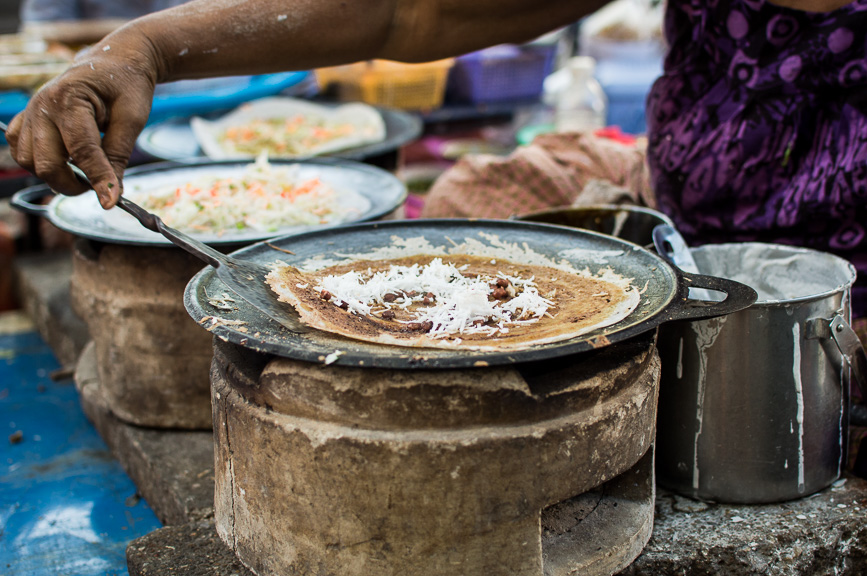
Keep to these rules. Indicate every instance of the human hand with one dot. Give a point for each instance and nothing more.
(108, 89)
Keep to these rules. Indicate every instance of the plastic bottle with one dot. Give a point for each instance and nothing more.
(581, 104)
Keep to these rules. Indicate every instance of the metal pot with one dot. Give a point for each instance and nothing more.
(632, 223)
(754, 406)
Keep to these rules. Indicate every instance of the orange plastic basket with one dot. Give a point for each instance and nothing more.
(390, 84)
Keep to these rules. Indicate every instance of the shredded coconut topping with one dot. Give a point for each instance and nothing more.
(450, 302)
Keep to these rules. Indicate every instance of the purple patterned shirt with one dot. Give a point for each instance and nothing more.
(758, 127)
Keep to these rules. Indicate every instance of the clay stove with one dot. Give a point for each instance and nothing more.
(490, 471)
(153, 359)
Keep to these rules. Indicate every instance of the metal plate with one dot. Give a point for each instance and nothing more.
(174, 139)
(662, 296)
(83, 216)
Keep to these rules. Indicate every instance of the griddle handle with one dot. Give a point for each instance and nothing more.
(154, 223)
(26, 200)
(738, 297)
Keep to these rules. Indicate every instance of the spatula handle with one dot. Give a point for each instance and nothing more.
(154, 223)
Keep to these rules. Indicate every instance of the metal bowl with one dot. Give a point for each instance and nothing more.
(632, 223)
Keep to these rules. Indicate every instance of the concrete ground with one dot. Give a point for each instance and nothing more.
(67, 507)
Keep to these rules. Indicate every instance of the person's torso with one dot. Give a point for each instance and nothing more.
(758, 126)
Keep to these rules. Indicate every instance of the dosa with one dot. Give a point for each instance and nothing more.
(455, 301)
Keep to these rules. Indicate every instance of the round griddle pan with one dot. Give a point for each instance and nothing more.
(663, 298)
(83, 216)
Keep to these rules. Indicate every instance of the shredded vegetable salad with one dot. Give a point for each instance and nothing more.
(264, 198)
(296, 135)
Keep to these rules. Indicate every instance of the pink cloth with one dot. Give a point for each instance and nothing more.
(553, 171)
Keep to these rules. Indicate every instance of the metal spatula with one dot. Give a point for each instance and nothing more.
(246, 279)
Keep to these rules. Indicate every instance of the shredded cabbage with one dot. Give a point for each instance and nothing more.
(265, 198)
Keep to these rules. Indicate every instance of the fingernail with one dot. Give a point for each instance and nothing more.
(106, 198)
(109, 195)
(114, 192)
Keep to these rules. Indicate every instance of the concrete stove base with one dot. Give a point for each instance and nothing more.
(173, 471)
(352, 471)
(153, 359)
(593, 526)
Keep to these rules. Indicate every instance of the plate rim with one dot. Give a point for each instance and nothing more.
(378, 208)
(392, 142)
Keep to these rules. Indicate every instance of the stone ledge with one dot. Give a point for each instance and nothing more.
(42, 286)
(173, 469)
(812, 536)
(187, 550)
(822, 534)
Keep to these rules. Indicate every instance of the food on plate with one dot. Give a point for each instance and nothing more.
(27, 62)
(296, 135)
(265, 197)
(284, 127)
(457, 301)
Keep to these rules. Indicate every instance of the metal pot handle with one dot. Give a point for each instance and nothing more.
(25, 200)
(851, 349)
(738, 297)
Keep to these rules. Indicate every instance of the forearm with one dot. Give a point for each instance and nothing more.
(94, 111)
(206, 38)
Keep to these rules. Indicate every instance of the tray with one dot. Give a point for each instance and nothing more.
(173, 139)
(187, 97)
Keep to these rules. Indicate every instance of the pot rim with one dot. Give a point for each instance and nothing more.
(845, 287)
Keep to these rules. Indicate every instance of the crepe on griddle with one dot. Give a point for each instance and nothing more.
(531, 304)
